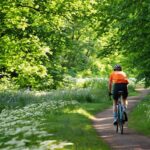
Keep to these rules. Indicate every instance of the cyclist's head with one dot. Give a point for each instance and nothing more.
(117, 68)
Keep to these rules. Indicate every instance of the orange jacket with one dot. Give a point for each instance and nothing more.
(118, 77)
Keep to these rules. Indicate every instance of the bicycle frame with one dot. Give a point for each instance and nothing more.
(120, 119)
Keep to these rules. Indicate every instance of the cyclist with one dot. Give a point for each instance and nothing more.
(118, 82)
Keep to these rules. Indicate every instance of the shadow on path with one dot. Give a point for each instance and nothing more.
(129, 140)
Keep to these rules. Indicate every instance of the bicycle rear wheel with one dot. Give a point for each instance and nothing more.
(117, 127)
(121, 126)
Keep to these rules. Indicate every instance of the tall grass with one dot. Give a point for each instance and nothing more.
(96, 92)
(132, 90)
(57, 119)
(140, 117)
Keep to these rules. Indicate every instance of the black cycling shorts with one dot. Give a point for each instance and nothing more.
(120, 87)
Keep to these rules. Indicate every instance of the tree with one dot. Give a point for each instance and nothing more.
(42, 41)
(130, 27)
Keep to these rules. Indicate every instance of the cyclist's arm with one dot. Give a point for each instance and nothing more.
(126, 78)
(110, 86)
(110, 83)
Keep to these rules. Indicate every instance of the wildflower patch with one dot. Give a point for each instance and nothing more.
(23, 128)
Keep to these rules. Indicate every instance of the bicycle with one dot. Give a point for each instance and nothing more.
(121, 115)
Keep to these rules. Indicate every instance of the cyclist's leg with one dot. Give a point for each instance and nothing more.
(125, 95)
(114, 105)
(115, 99)
(124, 110)
(125, 103)
(115, 111)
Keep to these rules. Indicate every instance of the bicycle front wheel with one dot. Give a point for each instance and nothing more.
(120, 119)
(117, 127)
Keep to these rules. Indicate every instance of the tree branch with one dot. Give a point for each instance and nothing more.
(19, 5)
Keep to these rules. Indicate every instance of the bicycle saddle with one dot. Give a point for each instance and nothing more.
(120, 92)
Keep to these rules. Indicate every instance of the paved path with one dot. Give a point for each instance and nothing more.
(129, 140)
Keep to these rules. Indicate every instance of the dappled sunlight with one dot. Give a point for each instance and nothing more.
(104, 126)
(137, 147)
(102, 119)
(81, 111)
(43, 145)
(107, 136)
(53, 144)
(84, 113)
(21, 128)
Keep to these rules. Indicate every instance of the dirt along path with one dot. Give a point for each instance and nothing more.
(130, 140)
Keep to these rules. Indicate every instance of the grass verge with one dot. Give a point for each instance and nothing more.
(132, 90)
(58, 120)
(61, 125)
(140, 117)
(76, 127)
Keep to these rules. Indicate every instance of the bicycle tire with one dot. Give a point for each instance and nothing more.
(121, 127)
(120, 118)
(117, 127)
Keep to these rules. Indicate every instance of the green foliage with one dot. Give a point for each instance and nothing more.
(140, 117)
(95, 93)
(99, 89)
(26, 126)
(44, 126)
(132, 90)
(38, 120)
(128, 29)
(43, 42)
